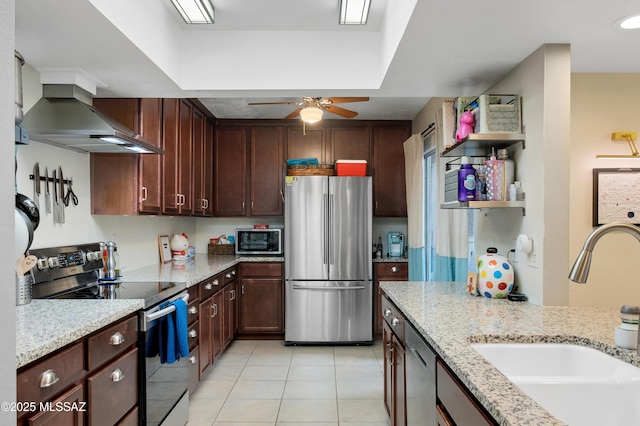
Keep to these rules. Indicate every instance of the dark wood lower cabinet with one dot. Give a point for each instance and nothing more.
(385, 271)
(261, 299)
(73, 417)
(394, 376)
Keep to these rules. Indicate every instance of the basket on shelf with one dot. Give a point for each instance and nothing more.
(310, 170)
(222, 249)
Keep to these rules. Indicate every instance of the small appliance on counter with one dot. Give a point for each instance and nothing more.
(395, 243)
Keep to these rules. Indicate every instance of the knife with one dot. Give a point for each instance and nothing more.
(36, 184)
(47, 194)
(56, 208)
(61, 194)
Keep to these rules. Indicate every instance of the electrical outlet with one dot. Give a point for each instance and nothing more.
(622, 136)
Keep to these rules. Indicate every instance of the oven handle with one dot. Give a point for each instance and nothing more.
(165, 311)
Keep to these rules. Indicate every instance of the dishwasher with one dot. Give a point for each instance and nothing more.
(420, 364)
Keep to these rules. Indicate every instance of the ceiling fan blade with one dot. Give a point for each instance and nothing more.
(273, 103)
(344, 100)
(341, 111)
(294, 113)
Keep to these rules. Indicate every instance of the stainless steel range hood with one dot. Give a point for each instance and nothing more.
(64, 117)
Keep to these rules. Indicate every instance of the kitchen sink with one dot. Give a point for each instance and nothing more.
(578, 385)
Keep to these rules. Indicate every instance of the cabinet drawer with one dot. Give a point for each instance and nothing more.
(193, 335)
(113, 391)
(210, 286)
(130, 419)
(460, 406)
(192, 311)
(259, 269)
(72, 410)
(230, 275)
(111, 342)
(38, 382)
(392, 271)
(394, 318)
(194, 293)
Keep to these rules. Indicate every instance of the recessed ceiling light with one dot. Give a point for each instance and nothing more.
(630, 23)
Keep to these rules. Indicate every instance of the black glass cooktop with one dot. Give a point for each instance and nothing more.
(151, 292)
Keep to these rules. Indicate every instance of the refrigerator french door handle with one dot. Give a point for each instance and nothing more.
(330, 247)
(325, 227)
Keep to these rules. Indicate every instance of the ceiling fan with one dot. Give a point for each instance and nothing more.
(311, 109)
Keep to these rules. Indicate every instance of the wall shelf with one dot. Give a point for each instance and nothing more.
(480, 144)
(484, 205)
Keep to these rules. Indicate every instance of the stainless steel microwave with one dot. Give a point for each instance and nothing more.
(259, 241)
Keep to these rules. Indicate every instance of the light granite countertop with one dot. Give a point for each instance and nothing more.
(44, 326)
(402, 259)
(194, 271)
(450, 320)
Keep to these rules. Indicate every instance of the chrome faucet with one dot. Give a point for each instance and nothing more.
(580, 270)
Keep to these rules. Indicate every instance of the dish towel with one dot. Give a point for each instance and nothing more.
(169, 337)
(182, 335)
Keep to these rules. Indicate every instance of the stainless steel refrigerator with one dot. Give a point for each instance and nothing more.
(329, 295)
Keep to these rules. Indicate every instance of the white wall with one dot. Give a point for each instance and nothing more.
(602, 104)
(7, 261)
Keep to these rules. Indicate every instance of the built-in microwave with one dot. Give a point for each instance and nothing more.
(259, 241)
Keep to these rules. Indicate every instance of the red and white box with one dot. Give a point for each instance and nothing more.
(351, 167)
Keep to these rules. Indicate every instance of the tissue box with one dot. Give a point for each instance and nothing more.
(498, 114)
(351, 167)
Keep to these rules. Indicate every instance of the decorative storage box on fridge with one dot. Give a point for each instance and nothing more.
(351, 167)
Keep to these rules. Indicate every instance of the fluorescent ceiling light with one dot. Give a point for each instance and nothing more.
(311, 114)
(195, 11)
(354, 12)
(630, 23)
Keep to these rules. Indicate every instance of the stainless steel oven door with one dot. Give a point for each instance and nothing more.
(164, 398)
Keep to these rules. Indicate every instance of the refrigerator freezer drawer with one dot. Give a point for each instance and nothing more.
(329, 312)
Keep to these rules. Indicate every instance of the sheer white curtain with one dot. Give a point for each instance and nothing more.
(414, 176)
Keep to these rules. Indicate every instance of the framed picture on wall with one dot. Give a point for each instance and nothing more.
(163, 247)
(616, 196)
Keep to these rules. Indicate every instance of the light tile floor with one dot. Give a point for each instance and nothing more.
(267, 383)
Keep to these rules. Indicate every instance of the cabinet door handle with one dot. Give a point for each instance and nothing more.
(228, 275)
(282, 195)
(395, 269)
(395, 322)
(117, 375)
(243, 206)
(215, 282)
(177, 199)
(193, 334)
(215, 310)
(208, 286)
(193, 310)
(193, 359)
(242, 289)
(387, 312)
(116, 339)
(233, 295)
(144, 193)
(48, 379)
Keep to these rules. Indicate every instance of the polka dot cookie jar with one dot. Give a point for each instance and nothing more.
(495, 275)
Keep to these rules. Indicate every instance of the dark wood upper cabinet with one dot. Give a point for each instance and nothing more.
(202, 165)
(112, 175)
(387, 169)
(266, 154)
(311, 145)
(350, 143)
(230, 171)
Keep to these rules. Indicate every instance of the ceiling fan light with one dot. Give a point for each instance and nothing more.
(195, 11)
(354, 12)
(311, 114)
